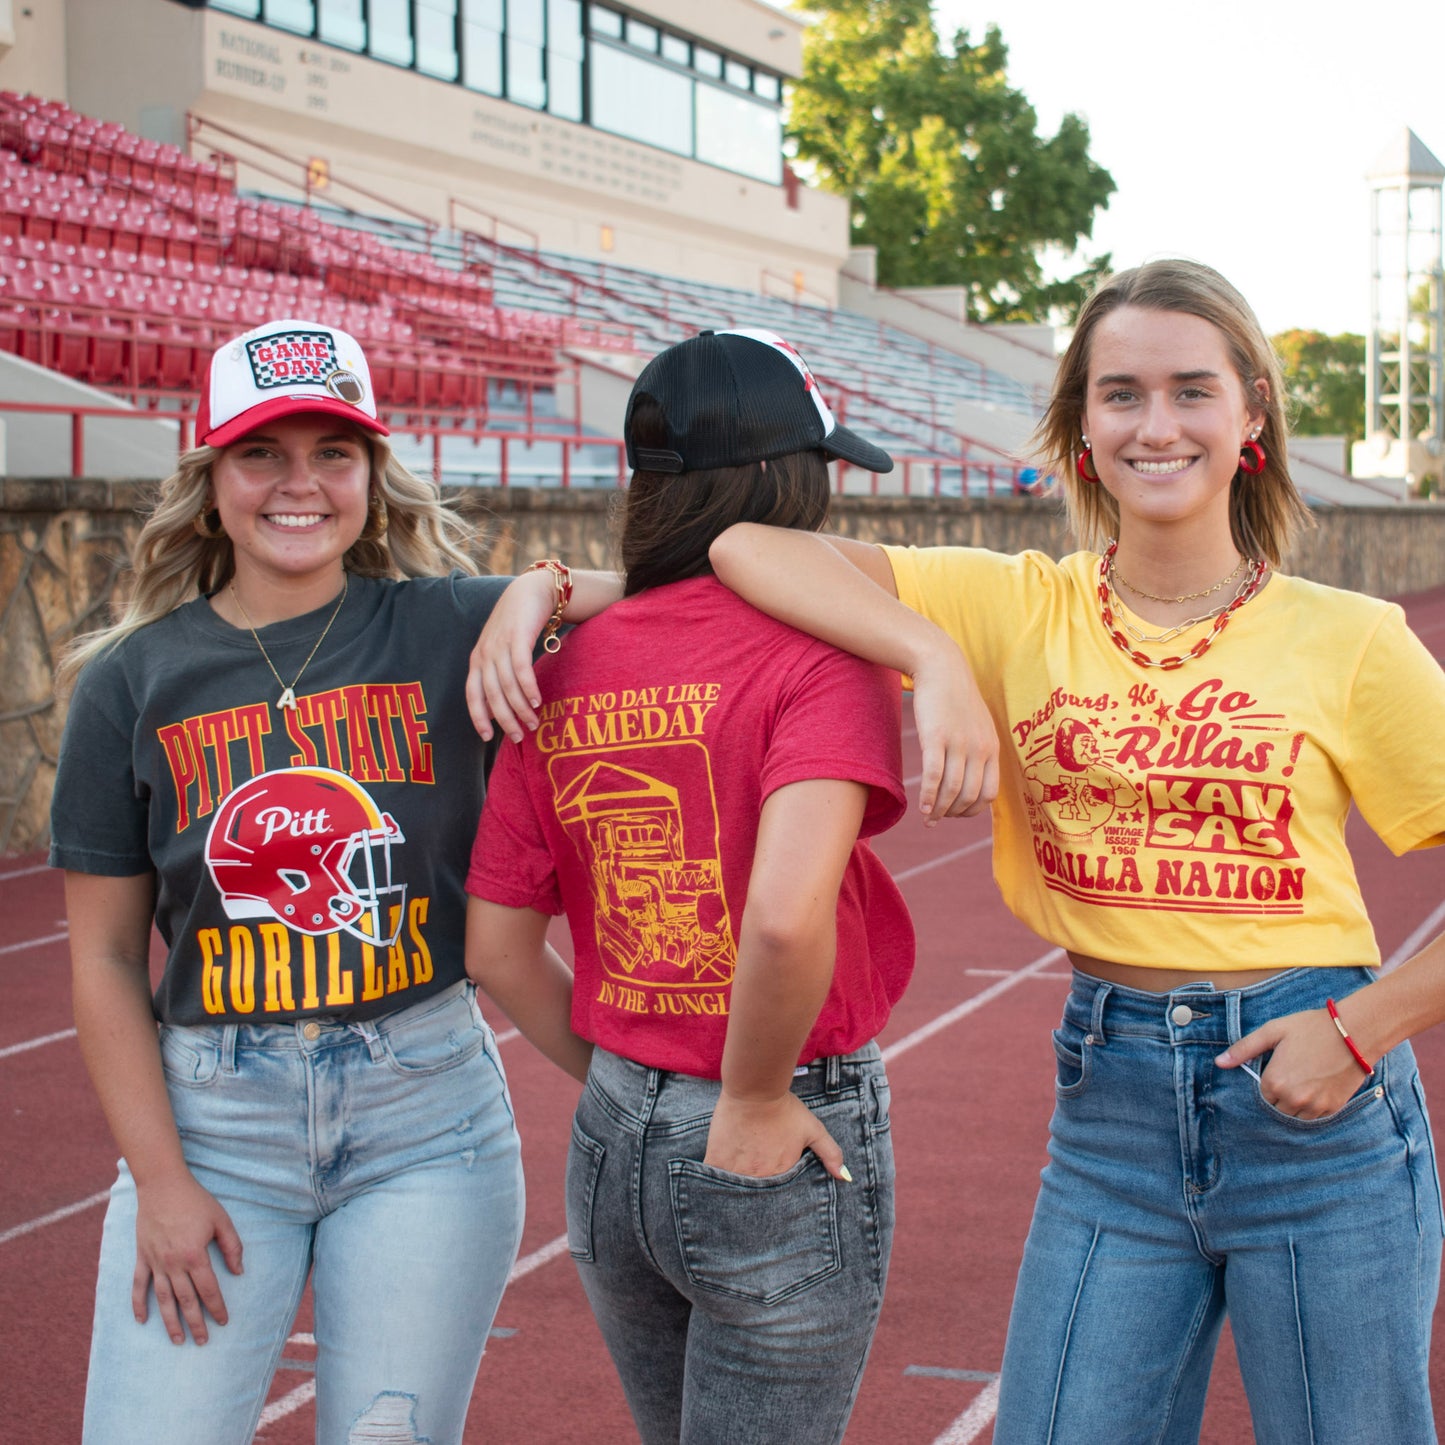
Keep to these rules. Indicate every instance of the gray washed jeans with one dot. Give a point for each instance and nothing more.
(736, 1309)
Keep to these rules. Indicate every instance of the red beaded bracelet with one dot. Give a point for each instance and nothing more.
(1350, 1044)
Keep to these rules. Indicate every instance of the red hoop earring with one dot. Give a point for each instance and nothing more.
(1251, 458)
(1084, 465)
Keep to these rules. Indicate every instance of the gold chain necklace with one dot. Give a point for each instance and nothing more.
(1117, 576)
(1169, 633)
(1257, 569)
(288, 691)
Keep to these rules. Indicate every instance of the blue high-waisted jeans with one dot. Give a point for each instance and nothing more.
(379, 1157)
(1175, 1194)
(736, 1309)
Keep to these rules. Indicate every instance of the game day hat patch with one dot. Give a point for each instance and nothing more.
(280, 369)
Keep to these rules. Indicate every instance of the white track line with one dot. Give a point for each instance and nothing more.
(44, 1039)
(26, 872)
(943, 858)
(287, 1405)
(55, 1216)
(34, 942)
(1416, 940)
(538, 1257)
(970, 1005)
(971, 1424)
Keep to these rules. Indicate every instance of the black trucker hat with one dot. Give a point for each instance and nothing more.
(732, 397)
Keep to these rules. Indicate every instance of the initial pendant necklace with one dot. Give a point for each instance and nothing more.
(288, 690)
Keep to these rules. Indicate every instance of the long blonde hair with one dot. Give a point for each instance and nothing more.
(1266, 511)
(172, 563)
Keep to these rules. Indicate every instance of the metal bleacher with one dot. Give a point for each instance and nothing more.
(124, 263)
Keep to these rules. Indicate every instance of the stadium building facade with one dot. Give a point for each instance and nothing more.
(648, 136)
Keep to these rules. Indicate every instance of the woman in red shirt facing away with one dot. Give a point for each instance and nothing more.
(694, 799)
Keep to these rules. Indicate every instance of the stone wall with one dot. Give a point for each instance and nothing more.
(64, 545)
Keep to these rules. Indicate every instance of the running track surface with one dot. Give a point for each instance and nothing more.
(971, 1068)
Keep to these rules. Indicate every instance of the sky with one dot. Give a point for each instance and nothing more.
(1237, 134)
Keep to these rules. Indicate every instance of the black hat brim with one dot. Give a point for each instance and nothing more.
(848, 446)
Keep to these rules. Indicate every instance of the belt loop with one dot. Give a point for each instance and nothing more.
(367, 1030)
(1096, 1023)
(228, 1048)
(832, 1073)
(1232, 1015)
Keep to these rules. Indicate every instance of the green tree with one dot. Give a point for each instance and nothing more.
(1326, 380)
(941, 159)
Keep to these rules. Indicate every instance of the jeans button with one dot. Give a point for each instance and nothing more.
(311, 1030)
(1181, 1014)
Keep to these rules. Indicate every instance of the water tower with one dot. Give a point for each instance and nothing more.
(1405, 349)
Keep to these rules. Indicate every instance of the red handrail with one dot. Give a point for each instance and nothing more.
(436, 430)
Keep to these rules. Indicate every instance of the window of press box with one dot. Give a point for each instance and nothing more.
(532, 52)
(482, 46)
(739, 134)
(606, 22)
(390, 31)
(637, 98)
(526, 39)
(565, 48)
(296, 15)
(642, 37)
(436, 38)
(341, 23)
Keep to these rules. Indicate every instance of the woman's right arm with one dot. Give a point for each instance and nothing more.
(509, 959)
(110, 923)
(500, 680)
(843, 592)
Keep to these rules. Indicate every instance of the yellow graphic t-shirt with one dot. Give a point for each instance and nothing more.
(1193, 818)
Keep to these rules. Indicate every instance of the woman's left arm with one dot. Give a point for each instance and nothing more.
(1313, 1072)
(500, 682)
(785, 966)
(510, 960)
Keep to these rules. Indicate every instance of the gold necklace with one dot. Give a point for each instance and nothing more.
(1169, 633)
(1257, 569)
(288, 691)
(1117, 576)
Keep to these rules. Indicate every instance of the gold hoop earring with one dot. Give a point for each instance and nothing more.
(377, 519)
(207, 523)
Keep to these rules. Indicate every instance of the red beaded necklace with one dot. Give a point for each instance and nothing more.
(1257, 567)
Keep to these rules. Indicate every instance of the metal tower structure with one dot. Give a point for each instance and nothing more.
(1405, 349)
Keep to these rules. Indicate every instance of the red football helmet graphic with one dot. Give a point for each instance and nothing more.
(309, 848)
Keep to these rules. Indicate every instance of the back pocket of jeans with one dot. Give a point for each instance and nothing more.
(756, 1239)
(584, 1169)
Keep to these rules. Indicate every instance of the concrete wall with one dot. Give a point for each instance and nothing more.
(64, 545)
(39, 445)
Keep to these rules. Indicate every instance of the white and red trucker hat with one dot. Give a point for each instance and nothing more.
(279, 369)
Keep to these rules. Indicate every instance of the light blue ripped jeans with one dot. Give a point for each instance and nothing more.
(1175, 1194)
(381, 1159)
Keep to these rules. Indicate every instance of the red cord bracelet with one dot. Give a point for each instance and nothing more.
(1350, 1044)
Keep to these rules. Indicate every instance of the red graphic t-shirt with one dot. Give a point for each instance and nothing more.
(634, 808)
